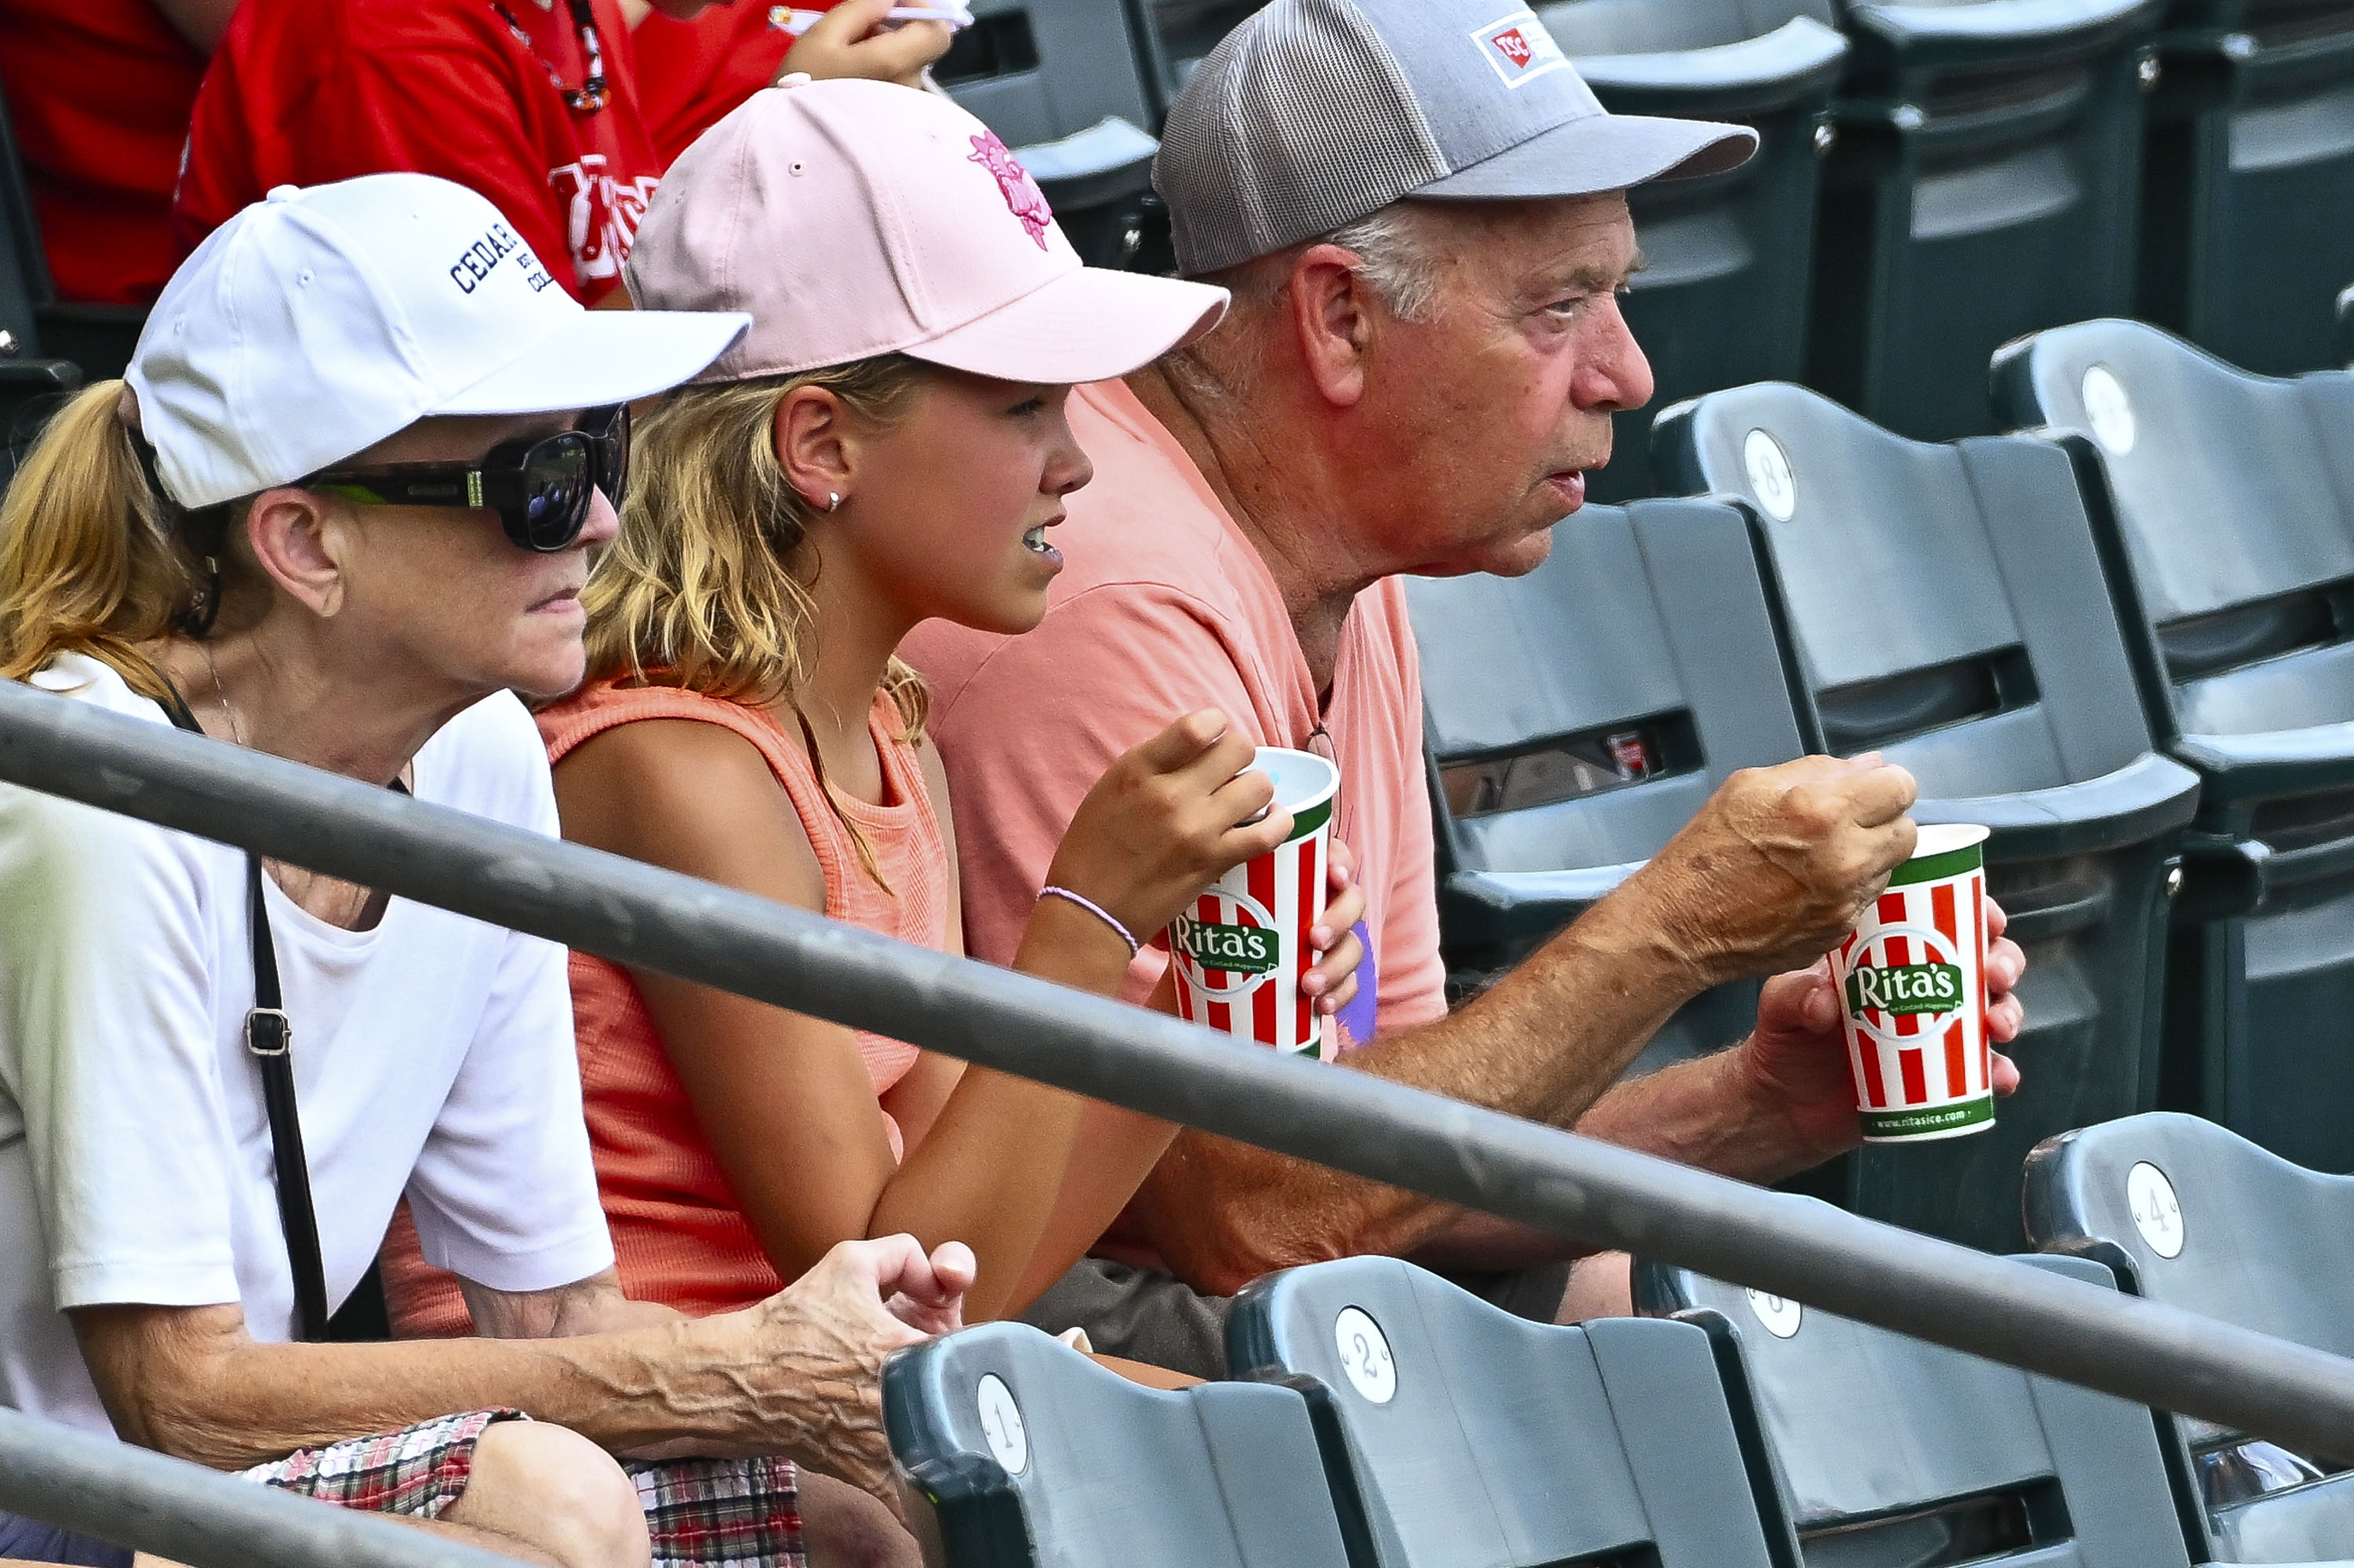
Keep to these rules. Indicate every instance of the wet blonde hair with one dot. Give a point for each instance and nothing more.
(92, 560)
(707, 587)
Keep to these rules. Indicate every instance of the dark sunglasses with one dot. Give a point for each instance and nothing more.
(539, 486)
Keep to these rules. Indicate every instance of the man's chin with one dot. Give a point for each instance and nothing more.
(1505, 558)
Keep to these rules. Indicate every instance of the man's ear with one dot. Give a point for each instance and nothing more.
(813, 444)
(296, 536)
(1332, 313)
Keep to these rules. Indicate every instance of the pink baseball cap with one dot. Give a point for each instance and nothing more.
(853, 219)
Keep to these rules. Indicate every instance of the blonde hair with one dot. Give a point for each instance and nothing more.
(92, 560)
(707, 587)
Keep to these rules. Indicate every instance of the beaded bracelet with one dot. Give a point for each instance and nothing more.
(1098, 911)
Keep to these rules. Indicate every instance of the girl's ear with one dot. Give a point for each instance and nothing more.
(296, 541)
(814, 445)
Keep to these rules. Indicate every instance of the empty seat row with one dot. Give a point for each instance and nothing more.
(1388, 1418)
(2135, 665)
(2223, 505)
(1934, 179)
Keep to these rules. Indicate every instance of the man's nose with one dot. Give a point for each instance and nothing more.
(1616, 375)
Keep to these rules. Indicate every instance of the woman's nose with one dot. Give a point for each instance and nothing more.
(604, 524)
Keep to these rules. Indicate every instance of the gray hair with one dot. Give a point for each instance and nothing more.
(1395, 256)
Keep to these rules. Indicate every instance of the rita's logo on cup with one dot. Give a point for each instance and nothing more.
(1910, 988)
(1227, 946)
(1924, 992)
(1519, 49)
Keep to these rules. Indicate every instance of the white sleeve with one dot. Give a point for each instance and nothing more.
(505, 1193)
(107, 1024)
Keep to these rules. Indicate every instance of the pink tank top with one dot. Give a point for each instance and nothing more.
(678, 1237)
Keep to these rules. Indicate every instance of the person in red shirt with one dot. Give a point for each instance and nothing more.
(533, 103)
(529, 103)
(692, 74)
(99, 92)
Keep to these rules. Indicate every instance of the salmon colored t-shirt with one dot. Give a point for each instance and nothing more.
(679, 1237)
(303, 92)
(1162, 607)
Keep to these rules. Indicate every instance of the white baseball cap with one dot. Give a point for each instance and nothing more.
(322, 320)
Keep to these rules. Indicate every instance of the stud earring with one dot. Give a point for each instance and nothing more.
(834, 501)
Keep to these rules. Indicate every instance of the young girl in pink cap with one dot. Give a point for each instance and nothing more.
(885, 445)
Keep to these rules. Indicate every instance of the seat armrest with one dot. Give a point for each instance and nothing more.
(1481, 908)
(1799, 57)
(1110, 158)
(2147, 797)
(2278, 762)
(1987, 32)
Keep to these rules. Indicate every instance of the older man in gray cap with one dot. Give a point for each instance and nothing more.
(1420, 210)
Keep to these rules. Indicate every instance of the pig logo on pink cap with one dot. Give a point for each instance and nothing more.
(1023, 197)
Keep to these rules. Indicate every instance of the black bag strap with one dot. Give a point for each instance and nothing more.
(269, 1040)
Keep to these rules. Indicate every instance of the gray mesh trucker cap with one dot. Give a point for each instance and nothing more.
(1312, 113)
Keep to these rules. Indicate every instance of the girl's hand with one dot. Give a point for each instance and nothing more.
(1333, 979)
(844, 42)
(1168, 819)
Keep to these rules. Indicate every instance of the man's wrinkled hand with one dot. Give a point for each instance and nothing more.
(1778, 864)
(1795, 1063)
(816, 1349)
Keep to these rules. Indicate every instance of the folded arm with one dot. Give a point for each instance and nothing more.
(798, 1374)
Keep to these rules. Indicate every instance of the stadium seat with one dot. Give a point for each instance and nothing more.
(1722, 301)
(1458, 1436)
(1872, 1450)
(1015, 1451)
(1576, 717)
(2191, 1215)
(1172, 37)
(1983, 184)
(2248, 187)
(2224, 506)
(1944, 604)
(28, 383)
(1060, 82)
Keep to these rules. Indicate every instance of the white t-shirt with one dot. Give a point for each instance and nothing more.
(432, 1055)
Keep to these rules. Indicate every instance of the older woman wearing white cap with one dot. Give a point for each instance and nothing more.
(341, 513)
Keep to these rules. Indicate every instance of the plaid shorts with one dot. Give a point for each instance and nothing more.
(700, 1513)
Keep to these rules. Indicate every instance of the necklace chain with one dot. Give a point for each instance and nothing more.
(592, 94)
(236, 729)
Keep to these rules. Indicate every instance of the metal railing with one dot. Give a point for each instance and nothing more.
(1594, 1193)
(146, 1501)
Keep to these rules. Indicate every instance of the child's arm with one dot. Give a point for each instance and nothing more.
(784, 1100)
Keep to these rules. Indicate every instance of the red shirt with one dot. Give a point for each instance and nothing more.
(691, 74)
(99, 92)
(305, 91)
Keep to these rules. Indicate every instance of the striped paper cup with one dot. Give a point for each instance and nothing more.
(1241, 950)
(1912, 985)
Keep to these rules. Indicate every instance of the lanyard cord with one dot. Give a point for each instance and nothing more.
(592, 94)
